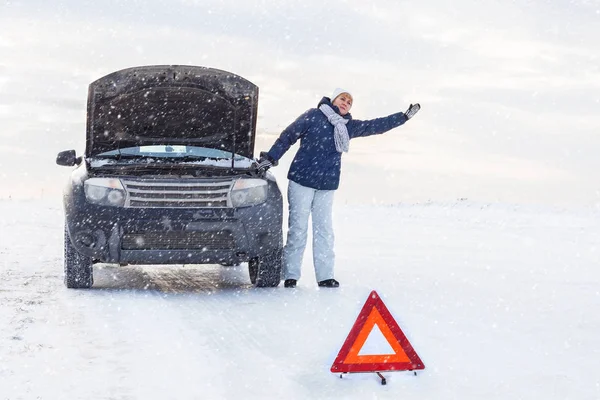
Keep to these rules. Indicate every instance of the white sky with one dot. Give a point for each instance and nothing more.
(510, 91)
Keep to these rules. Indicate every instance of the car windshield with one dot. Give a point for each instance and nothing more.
(171, 151)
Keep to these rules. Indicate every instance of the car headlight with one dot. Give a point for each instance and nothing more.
(105, 191)
(248, 192)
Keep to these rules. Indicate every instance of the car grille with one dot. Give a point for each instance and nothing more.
(182, 240)
(169, 194)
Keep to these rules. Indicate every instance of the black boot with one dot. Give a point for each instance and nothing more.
(291, 283)
(329, 283)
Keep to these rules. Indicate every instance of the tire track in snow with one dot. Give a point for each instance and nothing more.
(161, 301)
(214, 310)
(216, 281)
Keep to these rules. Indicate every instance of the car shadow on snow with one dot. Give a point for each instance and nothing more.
(172, 278)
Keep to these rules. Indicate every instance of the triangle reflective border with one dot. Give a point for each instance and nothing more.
(374, 312)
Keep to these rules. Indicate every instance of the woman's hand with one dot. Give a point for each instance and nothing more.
(264, 163)
(412, 110)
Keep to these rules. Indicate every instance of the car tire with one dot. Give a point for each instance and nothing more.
(78, 268)
(265, 271)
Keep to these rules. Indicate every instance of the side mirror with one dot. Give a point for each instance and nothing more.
(68, 158)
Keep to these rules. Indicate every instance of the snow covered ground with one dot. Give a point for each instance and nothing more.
(500, 302)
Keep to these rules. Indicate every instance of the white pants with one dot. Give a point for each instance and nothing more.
(302, 202)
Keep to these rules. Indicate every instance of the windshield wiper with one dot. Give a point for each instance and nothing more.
(120, 156)
(190, 158)
(160, 157)
(173, 166)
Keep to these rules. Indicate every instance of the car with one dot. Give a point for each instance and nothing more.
(169, 176)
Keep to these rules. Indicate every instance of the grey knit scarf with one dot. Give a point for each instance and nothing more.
(340, 132)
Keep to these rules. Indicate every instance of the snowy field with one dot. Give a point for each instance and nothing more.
(500, 302)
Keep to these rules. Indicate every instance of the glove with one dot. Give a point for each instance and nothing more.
(412, 110)
(264, 162)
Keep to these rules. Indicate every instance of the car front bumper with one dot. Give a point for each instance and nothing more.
(173, 236)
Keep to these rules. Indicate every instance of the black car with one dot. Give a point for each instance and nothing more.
(168, 176)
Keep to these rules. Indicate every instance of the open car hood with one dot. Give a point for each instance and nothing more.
(172, 104)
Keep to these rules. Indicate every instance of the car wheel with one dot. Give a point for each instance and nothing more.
(78, 268)
(265, 271)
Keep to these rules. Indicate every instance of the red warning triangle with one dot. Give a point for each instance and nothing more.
(374, 312)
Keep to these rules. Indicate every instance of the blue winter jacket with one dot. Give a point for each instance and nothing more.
(317, 163)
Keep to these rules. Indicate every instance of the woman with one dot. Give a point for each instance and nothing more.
(314, 175)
